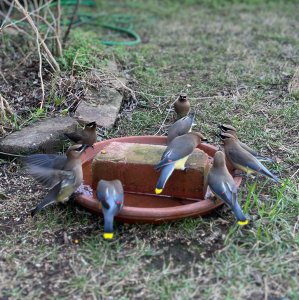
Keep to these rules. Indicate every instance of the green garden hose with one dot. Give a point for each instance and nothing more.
(117, 19)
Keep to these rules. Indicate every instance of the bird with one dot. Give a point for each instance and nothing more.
(111, 196)
(242, 159)
(224, 187)
(176, 155)
(61, 173)
(232, 130)
(86, 136)
(180, 127)
(182, 106)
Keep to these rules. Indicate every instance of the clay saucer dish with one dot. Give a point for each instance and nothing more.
(145, 208)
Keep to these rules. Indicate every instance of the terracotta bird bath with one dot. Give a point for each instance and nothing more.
(147, 207)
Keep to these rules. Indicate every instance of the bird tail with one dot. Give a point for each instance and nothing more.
(108, 226)
(242, 220)
(266, 159)
(267, 173)
(161, 164)
(258, 167)
(165, 174)
(49, 199)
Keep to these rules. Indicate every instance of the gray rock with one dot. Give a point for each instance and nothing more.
(102, 107)
(103, 100)
(43, 136)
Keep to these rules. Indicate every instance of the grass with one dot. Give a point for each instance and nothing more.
(237, 57)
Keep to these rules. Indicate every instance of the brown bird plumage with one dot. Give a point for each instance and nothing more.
(87, 136)
(232, 130)
(61, 173)
(182, 106)
(242, 159)
(224, 187)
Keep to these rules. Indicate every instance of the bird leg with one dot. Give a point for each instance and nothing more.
(210, 195)
(186, 168)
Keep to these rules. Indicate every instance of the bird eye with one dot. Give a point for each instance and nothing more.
(92, 124)
(79, 148)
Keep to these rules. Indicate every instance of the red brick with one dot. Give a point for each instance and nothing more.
(133, 164)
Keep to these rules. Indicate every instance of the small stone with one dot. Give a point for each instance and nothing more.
(100, 106)
(42, 136)
(102, 103)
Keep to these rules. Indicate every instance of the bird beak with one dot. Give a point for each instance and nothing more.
(84, 147)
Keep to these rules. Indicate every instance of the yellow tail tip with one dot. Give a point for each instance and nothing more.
(158, 191)
(108, 236)
(242, 223)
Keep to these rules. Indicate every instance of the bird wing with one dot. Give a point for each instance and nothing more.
(102, 192)
(50, 198)
(52, 161)
(180, 127)
(233, 191)
(247, 148)
(49, 177)
(226, 190)
(223, 185)
(119, 193)
(222, 191)
(243, 158)
(255, 154)
(266, 159)
(186, 124)
(176, 150)
(248, 162)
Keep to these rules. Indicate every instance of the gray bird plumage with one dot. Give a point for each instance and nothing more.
(176, 155)
(242, 159)
(61, 173)
(224, 187)
(111, 196)
(180, 127)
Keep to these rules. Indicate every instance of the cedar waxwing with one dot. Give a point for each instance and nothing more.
(224, 187)
(176, 155)
(231, 130)
(242, 159)
(182, 106)
(111, 196)
(87, 136)
(61, 173)
(180, 127)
